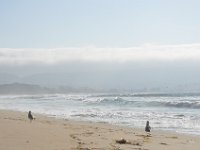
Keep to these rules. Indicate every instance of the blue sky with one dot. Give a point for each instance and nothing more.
(99, 23)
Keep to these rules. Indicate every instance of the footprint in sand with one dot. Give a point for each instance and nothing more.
(87, 133)
(163, 143)
(172, 137)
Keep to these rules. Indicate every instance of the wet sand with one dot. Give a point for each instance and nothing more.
(44, 133)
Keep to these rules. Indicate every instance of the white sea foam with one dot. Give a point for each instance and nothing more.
(173, 112)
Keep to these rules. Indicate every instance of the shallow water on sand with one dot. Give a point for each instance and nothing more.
(174, 112)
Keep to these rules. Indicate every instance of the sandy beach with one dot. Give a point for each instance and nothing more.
(44, 133)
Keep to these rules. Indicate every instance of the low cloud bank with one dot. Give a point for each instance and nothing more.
(148, 52)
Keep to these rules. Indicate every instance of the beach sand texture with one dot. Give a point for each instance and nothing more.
(44, 133)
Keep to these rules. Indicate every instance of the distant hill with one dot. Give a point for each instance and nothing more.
(18, 88)
(21, 88)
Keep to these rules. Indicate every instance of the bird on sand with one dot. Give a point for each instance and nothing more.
(147, 128)
(30, 116)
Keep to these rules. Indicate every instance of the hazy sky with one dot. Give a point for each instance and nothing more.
(101, 23)
(101, 43)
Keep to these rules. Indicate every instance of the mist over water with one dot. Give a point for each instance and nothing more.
(138, 75)
(174, 112)
(145, 66)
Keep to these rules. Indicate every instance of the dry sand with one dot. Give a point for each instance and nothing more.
(17, 133)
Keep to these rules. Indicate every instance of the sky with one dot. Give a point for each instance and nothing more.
(100, 43)
(101, 23)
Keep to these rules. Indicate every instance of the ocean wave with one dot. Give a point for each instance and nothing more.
(120, 109)
(108, 101)
(119, 101)
(174, 104)
(194, 105)
(146, 95)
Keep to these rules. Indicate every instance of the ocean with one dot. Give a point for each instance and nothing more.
(169, 112)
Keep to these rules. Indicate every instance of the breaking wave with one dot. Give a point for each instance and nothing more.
(176, 112)
(140, 102)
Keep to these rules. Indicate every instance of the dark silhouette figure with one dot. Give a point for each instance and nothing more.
(147, 128)
(30, 116)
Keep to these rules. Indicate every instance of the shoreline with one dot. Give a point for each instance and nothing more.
(55, 133)
(103, 122)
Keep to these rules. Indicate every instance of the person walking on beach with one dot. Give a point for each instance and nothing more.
(30, 116)
(147, 128)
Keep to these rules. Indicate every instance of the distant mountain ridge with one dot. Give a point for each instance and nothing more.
(22, 88)
(17, 88)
